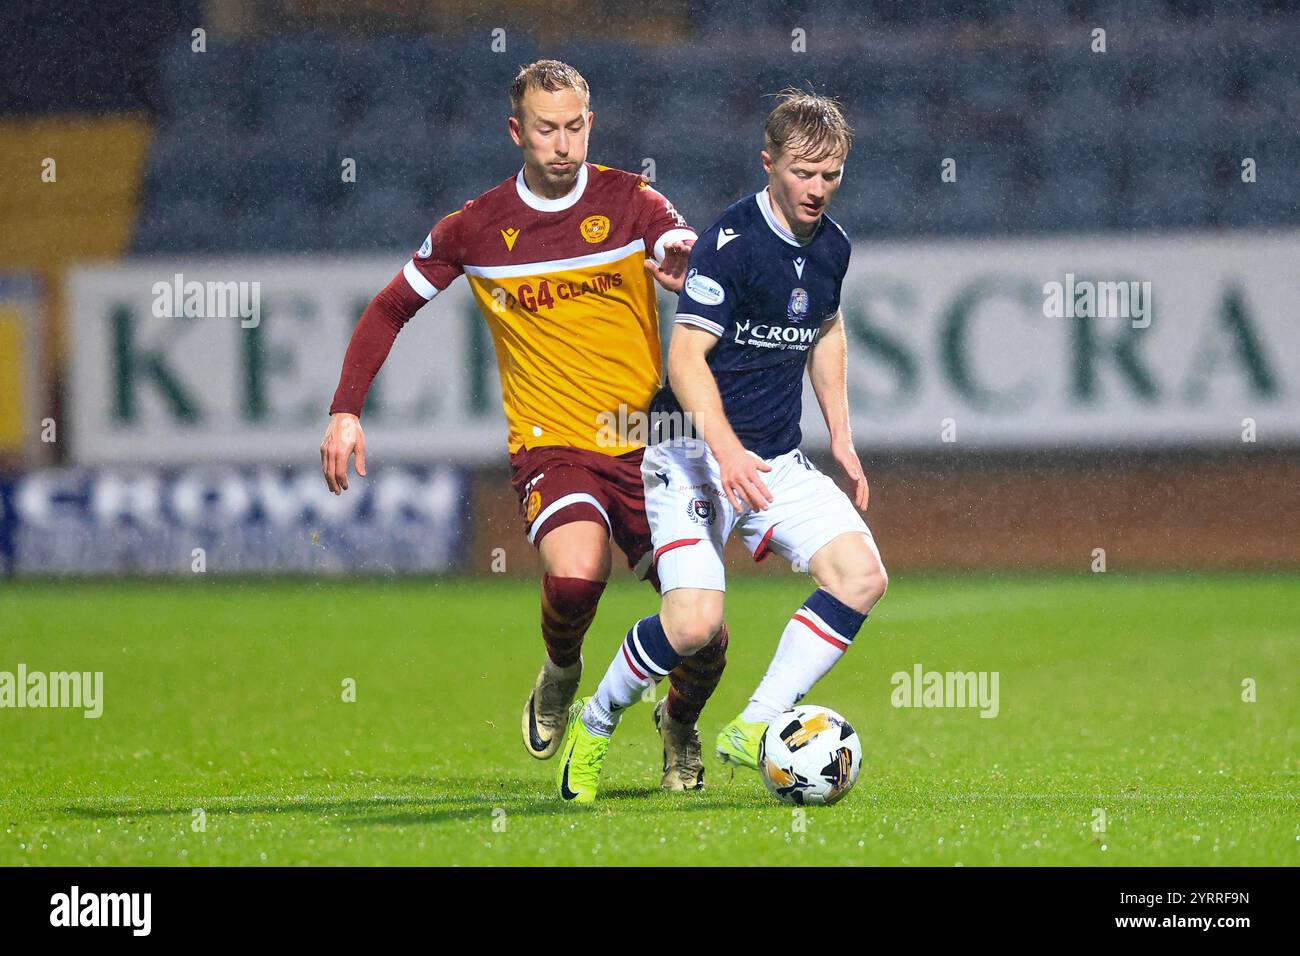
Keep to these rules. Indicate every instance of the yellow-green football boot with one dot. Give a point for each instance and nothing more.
(738, 743)
(581, 755)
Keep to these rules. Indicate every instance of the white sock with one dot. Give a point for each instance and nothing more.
(645, 657)
(816, 637)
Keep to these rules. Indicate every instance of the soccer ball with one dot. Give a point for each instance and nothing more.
(809, 755)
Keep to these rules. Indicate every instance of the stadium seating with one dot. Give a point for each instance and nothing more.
(1048, 136)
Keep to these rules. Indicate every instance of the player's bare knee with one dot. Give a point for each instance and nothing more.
(875, 582)
(692, 620)
(592, 564)
(579, 567)
(860, 584)
(865, 585)
(693, 632)
(691, 636)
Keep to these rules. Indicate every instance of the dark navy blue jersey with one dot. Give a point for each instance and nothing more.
(765, 295)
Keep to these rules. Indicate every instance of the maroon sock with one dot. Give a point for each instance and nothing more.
(568, 605)
(695, 678)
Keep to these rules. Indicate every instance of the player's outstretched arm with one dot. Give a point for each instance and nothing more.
(371, 341)
(828, 370)
(697, 393)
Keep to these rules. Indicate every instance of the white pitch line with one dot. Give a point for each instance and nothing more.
(432, 798)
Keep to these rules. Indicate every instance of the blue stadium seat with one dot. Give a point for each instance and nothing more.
(1080, 201)
(184, 164)
(252, 134)
(1171, 198)
(275, 226)
(184, 226)
(196, 84)
(387, 218)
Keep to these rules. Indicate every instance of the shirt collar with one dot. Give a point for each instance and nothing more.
(535, 201)
(765, 207)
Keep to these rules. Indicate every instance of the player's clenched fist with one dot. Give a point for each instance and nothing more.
(343, 437)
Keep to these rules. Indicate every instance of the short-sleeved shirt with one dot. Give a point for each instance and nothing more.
(765, 295)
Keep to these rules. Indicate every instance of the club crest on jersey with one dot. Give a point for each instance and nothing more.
(703, 289)
(595, 228)
(798, 307)
(510, 235)
(701, 511)
(534, 505)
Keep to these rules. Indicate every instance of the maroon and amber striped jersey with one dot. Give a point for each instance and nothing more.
(563, 287)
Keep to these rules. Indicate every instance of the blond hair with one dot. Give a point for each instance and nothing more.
(812, 126)
(548, 75)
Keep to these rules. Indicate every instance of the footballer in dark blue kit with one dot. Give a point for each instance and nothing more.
(765, 295)
(760, 307)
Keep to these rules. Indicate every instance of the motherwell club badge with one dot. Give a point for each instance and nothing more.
(595, 228)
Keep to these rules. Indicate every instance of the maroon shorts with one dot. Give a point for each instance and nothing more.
(557, 484)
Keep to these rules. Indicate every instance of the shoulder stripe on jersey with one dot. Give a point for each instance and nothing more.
(685, 318)
(422, 286)
(672, 235)
(514, 271)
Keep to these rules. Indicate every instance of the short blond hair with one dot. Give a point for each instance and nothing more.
(548, 75)
(811, 125)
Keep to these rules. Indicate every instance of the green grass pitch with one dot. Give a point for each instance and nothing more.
(1119, 696)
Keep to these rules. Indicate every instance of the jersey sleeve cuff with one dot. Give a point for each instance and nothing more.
(672, 235)
(418, 283)
(684, 318)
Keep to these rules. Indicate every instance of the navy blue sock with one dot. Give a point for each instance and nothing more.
(647, 646)
(841, 620)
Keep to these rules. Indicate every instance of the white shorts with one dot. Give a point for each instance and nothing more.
(691, 520)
